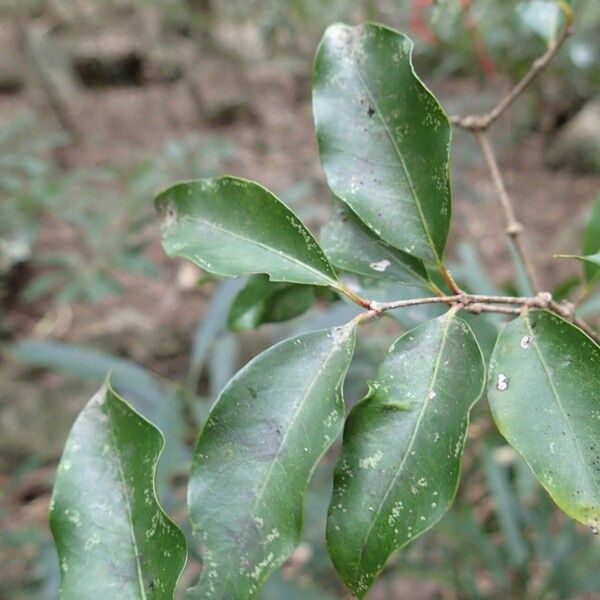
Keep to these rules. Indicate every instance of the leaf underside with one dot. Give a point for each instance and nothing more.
(113, 538)
(265, 434)
(230, 226)
(402, 448)
(544, 392)
(383, 137)
(352, 246)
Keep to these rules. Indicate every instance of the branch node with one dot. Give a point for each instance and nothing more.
(514, 229)
(539, 63)
(568, 309)
(376, 307)
(543, 300)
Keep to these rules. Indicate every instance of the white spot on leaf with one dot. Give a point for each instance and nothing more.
(502, 382)
(380, 266)
(371, 461)
(525, 341)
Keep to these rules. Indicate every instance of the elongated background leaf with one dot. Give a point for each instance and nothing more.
(402, 449)
(544, 391)
(383, 137)
(213, 323)
(112, 537)
(231, 226)
(254, 457)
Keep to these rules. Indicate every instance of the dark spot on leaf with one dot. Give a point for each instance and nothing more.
(370, 112)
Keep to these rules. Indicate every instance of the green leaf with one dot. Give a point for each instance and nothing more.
(110, 532)
(383, 137)
(262, 301)
(231, 226)
(352, 246)
(544, 391)
(591, 244)
(255, 455)
(402, 449)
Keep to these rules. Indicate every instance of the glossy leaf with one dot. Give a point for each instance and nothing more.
(383, 137)
(255, 455)
(352, 246)
(402, 449)
(113, 538)
(544, 391)
(231, 226)
(591, 243)
(262, 301)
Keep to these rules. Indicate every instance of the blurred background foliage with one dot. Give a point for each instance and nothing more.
(104, 102)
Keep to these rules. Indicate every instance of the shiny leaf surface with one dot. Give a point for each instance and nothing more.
(231, 226)
(544, 391)
(383, 137)
(255, 455)
(113, 538)
(352, 246)
(402, 449)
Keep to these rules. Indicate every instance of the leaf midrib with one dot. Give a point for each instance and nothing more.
(410, 443)
(560, 405)
(284, 437)
(253, 242)
(292, 422)
(392, 139)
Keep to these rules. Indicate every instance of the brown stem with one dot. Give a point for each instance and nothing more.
(483, 122)
(344, 289)
(448, 279)
(478, 303)
(543, 300)
(514, 229)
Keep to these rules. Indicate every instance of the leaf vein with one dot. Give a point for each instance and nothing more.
(411, 442)
(560, 405)
(254, 242)
(402, 161)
